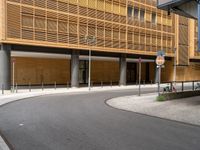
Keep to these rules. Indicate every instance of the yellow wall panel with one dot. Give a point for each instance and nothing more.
(73, 1)
(83, 3)
(116, 9)
(148, 17)
(123, 10)
(100, 5)
(92, 4)
(108, 7)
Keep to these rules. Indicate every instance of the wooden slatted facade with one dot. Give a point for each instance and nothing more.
(64, 23)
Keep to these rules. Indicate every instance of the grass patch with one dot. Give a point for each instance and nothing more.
(160, 98)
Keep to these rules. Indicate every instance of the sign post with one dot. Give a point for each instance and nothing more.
(13, 82)
(140, 68)
(160, 60)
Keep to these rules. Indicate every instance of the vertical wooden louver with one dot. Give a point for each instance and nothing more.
(13, 21)
(183, 53)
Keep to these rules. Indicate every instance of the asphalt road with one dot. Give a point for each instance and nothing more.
(85, 122)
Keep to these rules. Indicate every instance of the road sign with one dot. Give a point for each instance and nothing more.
(161, 53)
(160, 60)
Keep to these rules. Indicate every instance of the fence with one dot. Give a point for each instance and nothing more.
(166, 86)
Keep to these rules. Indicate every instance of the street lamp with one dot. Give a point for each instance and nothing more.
(91, 40)
(175, 55)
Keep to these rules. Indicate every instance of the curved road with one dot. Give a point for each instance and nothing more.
(85, 122)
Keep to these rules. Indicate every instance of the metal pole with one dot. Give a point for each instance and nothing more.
(159, 78)
(193, 85)
(16, 88)
(55, 85)
(182, 86)
(67, 85)
(29, 87)
(89, 75)
(171, 86)
(13, 87)
(175, 53)
(140, 68)
(2, 88)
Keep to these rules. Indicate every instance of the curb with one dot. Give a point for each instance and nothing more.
(3, 144)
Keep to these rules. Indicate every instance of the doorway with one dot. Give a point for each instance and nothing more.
(131, 73)
(83, 72)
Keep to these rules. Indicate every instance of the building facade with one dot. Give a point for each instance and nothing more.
(48, 41)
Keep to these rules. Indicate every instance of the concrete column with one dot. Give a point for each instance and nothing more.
(123, 66)
(5, 67)
(198, 26)
(75, 68)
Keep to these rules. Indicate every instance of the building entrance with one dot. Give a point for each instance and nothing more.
(131, 72)
(83, 72)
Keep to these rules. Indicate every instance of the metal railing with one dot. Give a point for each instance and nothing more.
(177, 86)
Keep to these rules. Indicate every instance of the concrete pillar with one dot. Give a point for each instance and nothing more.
(5, 67)
(198, 26)
(123, 66)
(75, 68)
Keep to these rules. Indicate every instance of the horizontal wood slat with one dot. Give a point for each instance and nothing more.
(68, 21)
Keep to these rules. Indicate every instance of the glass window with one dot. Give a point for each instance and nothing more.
(142, 14)
(130, 11)
(153, 18)
(136, 13)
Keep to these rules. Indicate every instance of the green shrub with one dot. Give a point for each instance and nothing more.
(160, 98)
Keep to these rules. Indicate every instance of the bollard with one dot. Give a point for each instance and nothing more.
(193, 86)
(143, 82)
(67, 85)
(2, 88)
(42, 86)
(55, 86)
(182, 86)
(13, 89)
(171, 86)
(16, 88)
(29, 87)
(101, 84)
(111, 83)
(151, 82)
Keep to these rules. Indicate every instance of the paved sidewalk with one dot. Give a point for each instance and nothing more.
(184, 110)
